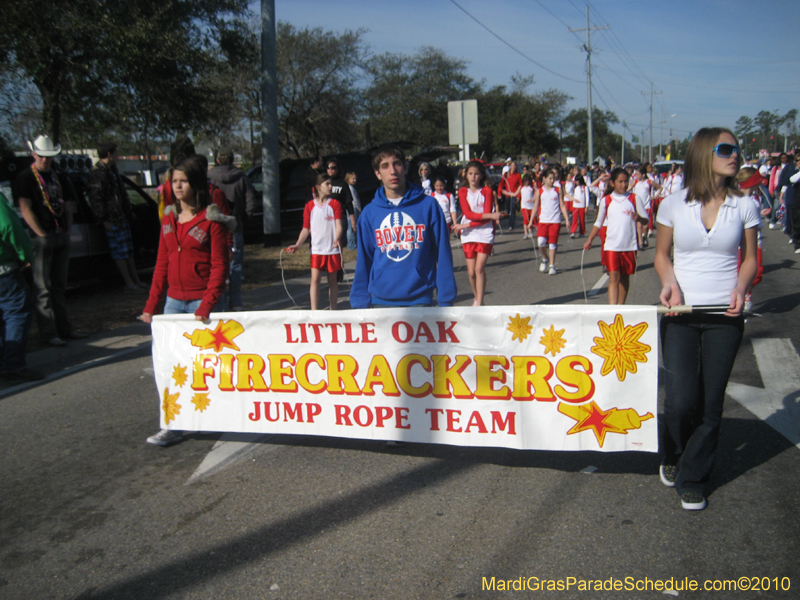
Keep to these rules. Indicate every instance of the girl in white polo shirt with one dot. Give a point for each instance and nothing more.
(621, 212)
(323, 219)
(706, 223)
(477, 227)
(549, 205)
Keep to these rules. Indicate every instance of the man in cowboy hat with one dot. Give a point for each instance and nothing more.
(42, 198)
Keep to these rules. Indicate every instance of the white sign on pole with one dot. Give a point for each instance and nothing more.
(462, 117)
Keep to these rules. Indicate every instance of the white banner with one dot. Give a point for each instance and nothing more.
(536, 377)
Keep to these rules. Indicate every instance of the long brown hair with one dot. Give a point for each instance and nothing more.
(699, 176)
(198, 180)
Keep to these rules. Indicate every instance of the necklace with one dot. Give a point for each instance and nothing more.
(43, 187)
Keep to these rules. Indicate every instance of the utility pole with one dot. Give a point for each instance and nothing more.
(652, 93)
(622, 160)
(269, 126)
(588, 48)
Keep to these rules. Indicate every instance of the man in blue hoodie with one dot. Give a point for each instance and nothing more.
(403, 243)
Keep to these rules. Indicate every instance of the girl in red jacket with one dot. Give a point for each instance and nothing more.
(192, 264)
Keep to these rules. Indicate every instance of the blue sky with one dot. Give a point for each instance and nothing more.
(711, 60)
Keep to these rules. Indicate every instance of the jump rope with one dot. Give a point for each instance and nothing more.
(283, 278)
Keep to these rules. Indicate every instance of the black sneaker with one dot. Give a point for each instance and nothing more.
(667, 474)
(692, 499)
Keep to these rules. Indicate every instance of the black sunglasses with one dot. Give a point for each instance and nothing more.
(726, 150)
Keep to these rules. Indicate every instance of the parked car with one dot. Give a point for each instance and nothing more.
(664, 166)
(294, 195)
(89, 253)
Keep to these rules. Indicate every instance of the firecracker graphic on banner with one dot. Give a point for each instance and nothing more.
(532, 377)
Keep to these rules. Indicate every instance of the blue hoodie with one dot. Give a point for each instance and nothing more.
(403, 253)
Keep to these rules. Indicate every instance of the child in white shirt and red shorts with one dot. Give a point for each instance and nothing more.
(322, 220)
(621, 212)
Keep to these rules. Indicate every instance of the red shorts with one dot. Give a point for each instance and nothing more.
(550, 231)
(624, 262)
(526, 215)
(326, 262)
(472, 249)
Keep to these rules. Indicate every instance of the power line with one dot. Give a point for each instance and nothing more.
(515, 49)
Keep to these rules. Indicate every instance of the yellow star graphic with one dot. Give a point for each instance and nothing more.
(170, 406)
(620, 348)
(179, 375)
(521, 328)
(201, 401)
(552, 340)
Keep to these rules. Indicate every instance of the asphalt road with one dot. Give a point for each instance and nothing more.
(89, 511)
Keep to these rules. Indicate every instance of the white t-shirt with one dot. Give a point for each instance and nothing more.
(706, 262)
(320, 219)
(642, 191)
(484, 233)
(549, 207)
(581, 195)
(620, 220)
(448, 205)
(526, 198)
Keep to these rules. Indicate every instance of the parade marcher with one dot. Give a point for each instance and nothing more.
(42, 197)
(477, 227)
(527, 196)
(16, 254)
(112, 208)
(643, 189)
(404, 253)
(787, 199)
(706, 223)
(579, 199)
(550, 207)
(622, 212)
(322, 220)
(445, 200)
(241, 195)
(425, 178)
(510, 187)
(193, 255)
(749, 181)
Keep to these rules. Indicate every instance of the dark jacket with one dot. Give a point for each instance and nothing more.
(236, 187)
(107, 195)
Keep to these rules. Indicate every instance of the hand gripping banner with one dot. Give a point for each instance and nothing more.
(527, 377)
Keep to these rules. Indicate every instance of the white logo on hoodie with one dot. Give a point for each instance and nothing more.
(399, 235)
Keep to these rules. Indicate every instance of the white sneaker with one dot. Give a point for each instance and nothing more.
(552, 270)
(773, 225)
(543, 266)
(165, 437)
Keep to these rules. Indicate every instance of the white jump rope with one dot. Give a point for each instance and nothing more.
(283, 279)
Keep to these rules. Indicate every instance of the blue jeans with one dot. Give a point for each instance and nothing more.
(236, 269)
(50, 269)
(351, 233)
(698, 353)
(189, 307)
(15, 321)
(512, 211)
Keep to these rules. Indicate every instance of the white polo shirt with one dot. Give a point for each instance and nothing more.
(620, 218)
(706, 262)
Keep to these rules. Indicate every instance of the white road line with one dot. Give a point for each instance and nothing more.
(229, 449)
(598, 286)
(778, 402)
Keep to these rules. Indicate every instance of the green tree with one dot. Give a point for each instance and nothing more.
(514, 122)
(318, 101)
(606, 142)
(88, 58)
(407, 96)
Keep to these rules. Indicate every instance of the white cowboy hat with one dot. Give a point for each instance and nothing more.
(43, 146)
